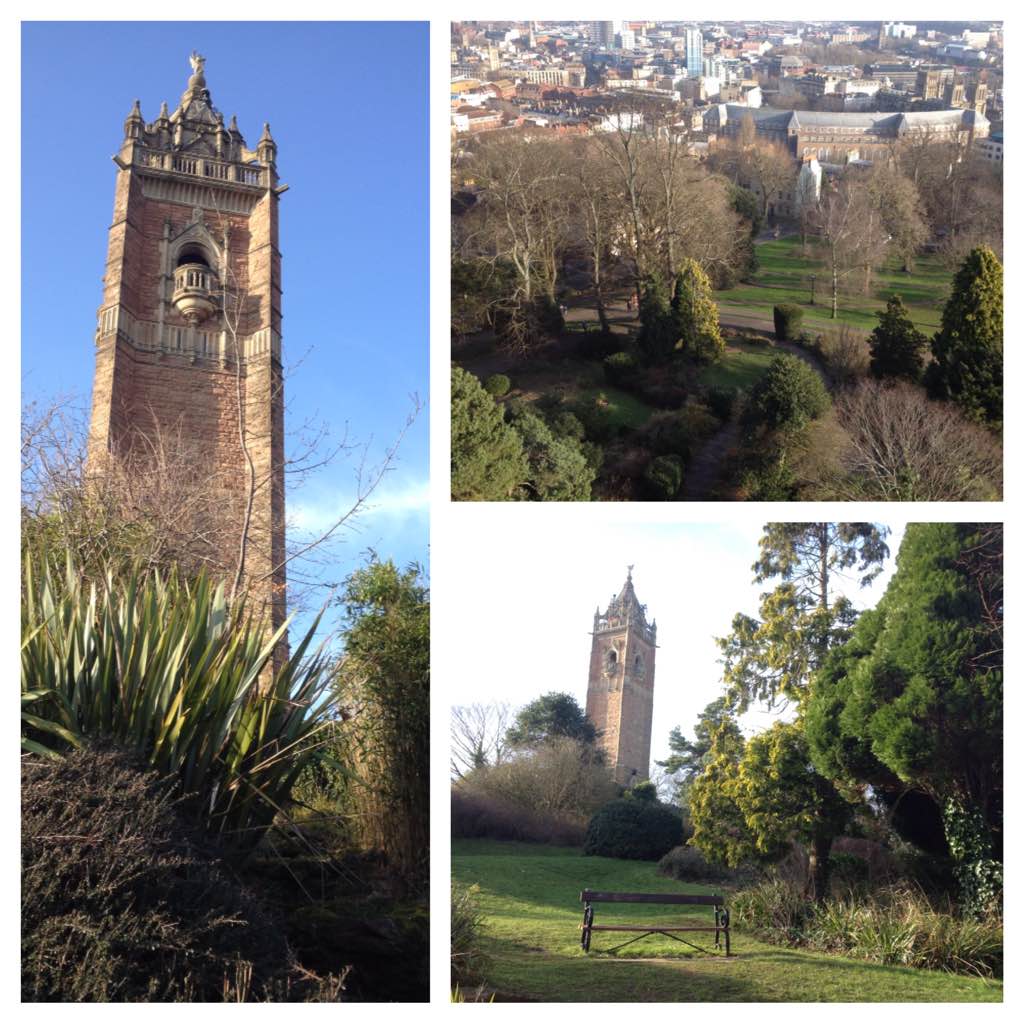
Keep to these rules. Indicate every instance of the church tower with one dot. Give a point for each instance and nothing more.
(188, 341)
(620, 691)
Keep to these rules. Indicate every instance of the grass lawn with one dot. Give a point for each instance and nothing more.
(623, 408)
(529, 895)
(741, 365)
(784, 276)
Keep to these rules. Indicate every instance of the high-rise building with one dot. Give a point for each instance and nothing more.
(188, 341)
(694, 52)
(620, 690)
(602, 33)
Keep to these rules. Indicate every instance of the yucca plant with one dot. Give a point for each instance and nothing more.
(165, 668)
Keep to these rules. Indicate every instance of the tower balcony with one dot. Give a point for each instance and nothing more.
(196, 288)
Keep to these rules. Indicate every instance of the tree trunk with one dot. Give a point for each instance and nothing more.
(835, 292)
(818, 869)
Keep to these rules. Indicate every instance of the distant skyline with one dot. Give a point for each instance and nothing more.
(354, 225)
(527, 629)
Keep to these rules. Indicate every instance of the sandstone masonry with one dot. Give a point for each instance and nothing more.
(188, 340)
(620, 690)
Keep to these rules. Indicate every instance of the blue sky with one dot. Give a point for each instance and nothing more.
(347, 104)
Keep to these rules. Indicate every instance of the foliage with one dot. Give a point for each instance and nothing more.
(122, 899)
(722, 401)
(688, 864)
(664, 476)
(568, 424)
(497, 385)
(790, 393)
(695, 315)
(478, 291)
(383, 683)
(657, 337)
(897, 346)
(689, 757)
(889, 926)
(619, 367)
(968, 349)
(559, 778)
(487, 461)
(801, 619)
(477, 814)
(633, 830)
(553, 714)
(166, 669)
(467, 959)
(645, 790)
(787, 321)
(930, 654)
(557, 469)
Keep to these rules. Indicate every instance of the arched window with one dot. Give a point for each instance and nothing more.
(192, 254)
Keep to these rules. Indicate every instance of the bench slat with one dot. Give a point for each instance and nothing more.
(651, 928)
(587, 896)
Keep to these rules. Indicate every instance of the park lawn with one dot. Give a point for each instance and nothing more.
(529, 895)
(741, 365)
(784, 276)
(624, 410)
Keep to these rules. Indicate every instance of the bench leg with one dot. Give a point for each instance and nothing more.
(588, 920)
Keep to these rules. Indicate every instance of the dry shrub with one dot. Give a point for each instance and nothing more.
(478, 816)
(847, 355)
(122, 901)
(903, 447)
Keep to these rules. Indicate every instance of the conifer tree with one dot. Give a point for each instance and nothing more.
(488, 462)
(968, 349)
(897, 346)
(657, 330)
(695, 315)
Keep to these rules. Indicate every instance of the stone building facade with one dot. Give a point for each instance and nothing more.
(188, 340)
(620, 690)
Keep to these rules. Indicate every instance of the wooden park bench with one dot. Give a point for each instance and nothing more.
(721, 926)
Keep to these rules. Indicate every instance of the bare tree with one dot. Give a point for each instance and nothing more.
(900, 446)
(478, 737)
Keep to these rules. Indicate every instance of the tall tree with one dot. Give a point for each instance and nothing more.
(899, 205)
(657, 336)
(695, 315)
(487, 462)
(688, 758)
(968, 349)
(554, 714)
(918, 696)
(897, 346)
(803, 616)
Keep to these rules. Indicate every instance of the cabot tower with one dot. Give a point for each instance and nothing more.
(620, 691)
(188, 340)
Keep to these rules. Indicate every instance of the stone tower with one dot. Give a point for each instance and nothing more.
(188, 342)
(620, 690)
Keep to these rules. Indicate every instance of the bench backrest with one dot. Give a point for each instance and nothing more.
(589, 896)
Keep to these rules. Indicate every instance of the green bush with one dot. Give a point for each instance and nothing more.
(567, 424)
(787, 321)
(790, 393)
(722, 401)
(668, 433)
(122, 899)
(687, 864)
(619, 367)
(633, 830)
(497, 385)
(774, 910)
(664, 476)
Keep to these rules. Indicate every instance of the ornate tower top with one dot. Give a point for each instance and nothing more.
(625, 609)
(196, 130)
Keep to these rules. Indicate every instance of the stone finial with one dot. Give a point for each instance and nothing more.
(266, 136)
(135, 114)
(163, 111)
(233, 127)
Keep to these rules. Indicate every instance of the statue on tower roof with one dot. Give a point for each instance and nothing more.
(197, 61)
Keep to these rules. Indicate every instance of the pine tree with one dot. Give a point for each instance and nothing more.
(897, 346)
(488, 462)
(695, 315)
(968, 350)
(657, 330)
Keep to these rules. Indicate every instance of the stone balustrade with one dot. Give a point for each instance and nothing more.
(202, 166)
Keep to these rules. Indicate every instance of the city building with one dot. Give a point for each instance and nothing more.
(620, 687)
(694, 42)
(189, 327)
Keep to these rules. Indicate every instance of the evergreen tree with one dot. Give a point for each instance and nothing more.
(487, 461)
(790, 393)
(557, 468)
(919, 694)
(968, 349)
(695, 315)
(689, 757)
(657, 327)
(897, 346)
(554, 714)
